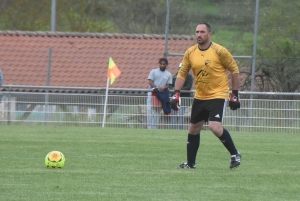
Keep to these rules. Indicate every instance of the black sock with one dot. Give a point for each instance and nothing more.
(227, 142)
(192, 148)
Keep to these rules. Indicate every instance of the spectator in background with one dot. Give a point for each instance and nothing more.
(159, 80)
(177, 119)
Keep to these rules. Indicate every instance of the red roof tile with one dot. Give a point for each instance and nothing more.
(81, 59)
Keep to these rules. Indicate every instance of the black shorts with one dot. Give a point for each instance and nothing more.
(211, 110)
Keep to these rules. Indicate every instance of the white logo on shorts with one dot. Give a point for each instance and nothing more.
(218, 116)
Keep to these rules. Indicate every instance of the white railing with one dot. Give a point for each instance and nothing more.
(127, 108)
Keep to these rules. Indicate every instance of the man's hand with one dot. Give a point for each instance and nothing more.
(234, 102)
(176, 101)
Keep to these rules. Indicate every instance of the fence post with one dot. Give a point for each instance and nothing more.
(167, 29)
(47, 84)
(53, 15)
(8, 107)
(253, 59)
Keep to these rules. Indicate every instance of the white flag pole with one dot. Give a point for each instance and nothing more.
(105, 103)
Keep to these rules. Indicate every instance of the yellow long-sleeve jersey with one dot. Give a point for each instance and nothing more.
(209, 68)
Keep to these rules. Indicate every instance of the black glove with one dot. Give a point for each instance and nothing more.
(234, 102)
(176, 101)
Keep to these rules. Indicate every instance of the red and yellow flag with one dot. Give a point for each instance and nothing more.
(113, 71)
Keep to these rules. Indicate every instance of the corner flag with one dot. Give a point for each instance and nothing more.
(113, 71)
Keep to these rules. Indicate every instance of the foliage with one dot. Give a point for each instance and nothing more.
(279, 31)
(128, 16)
(278, 74)
(82, 16)
(24, 15)
(279, 44)
(74, 16)
(135, 16)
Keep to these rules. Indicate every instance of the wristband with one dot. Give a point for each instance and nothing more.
(235, 92)
(177, 91)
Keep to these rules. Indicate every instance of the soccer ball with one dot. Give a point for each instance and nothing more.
(55, 159)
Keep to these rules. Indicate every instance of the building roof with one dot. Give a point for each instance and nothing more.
(81, 59)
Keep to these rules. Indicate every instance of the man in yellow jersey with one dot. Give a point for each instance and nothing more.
(209, 63)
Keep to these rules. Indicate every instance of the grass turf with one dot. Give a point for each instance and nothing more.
(133, 164)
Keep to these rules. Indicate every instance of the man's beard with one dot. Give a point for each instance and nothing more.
(201, 43)
(162, 69)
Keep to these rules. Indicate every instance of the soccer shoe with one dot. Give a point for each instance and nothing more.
(235, 161)
(186, 166)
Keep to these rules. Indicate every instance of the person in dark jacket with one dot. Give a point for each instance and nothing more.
(177, 119)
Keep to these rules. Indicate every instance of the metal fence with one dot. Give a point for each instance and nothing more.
(260, 112)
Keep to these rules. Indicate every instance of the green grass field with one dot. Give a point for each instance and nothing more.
(132, 164)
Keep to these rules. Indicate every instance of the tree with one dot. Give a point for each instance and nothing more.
(279, 45)
(4, 4)
(26, 15)
(136, 16)
(74, 16)
(279, 29)
(148, 16)
(83, 16)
